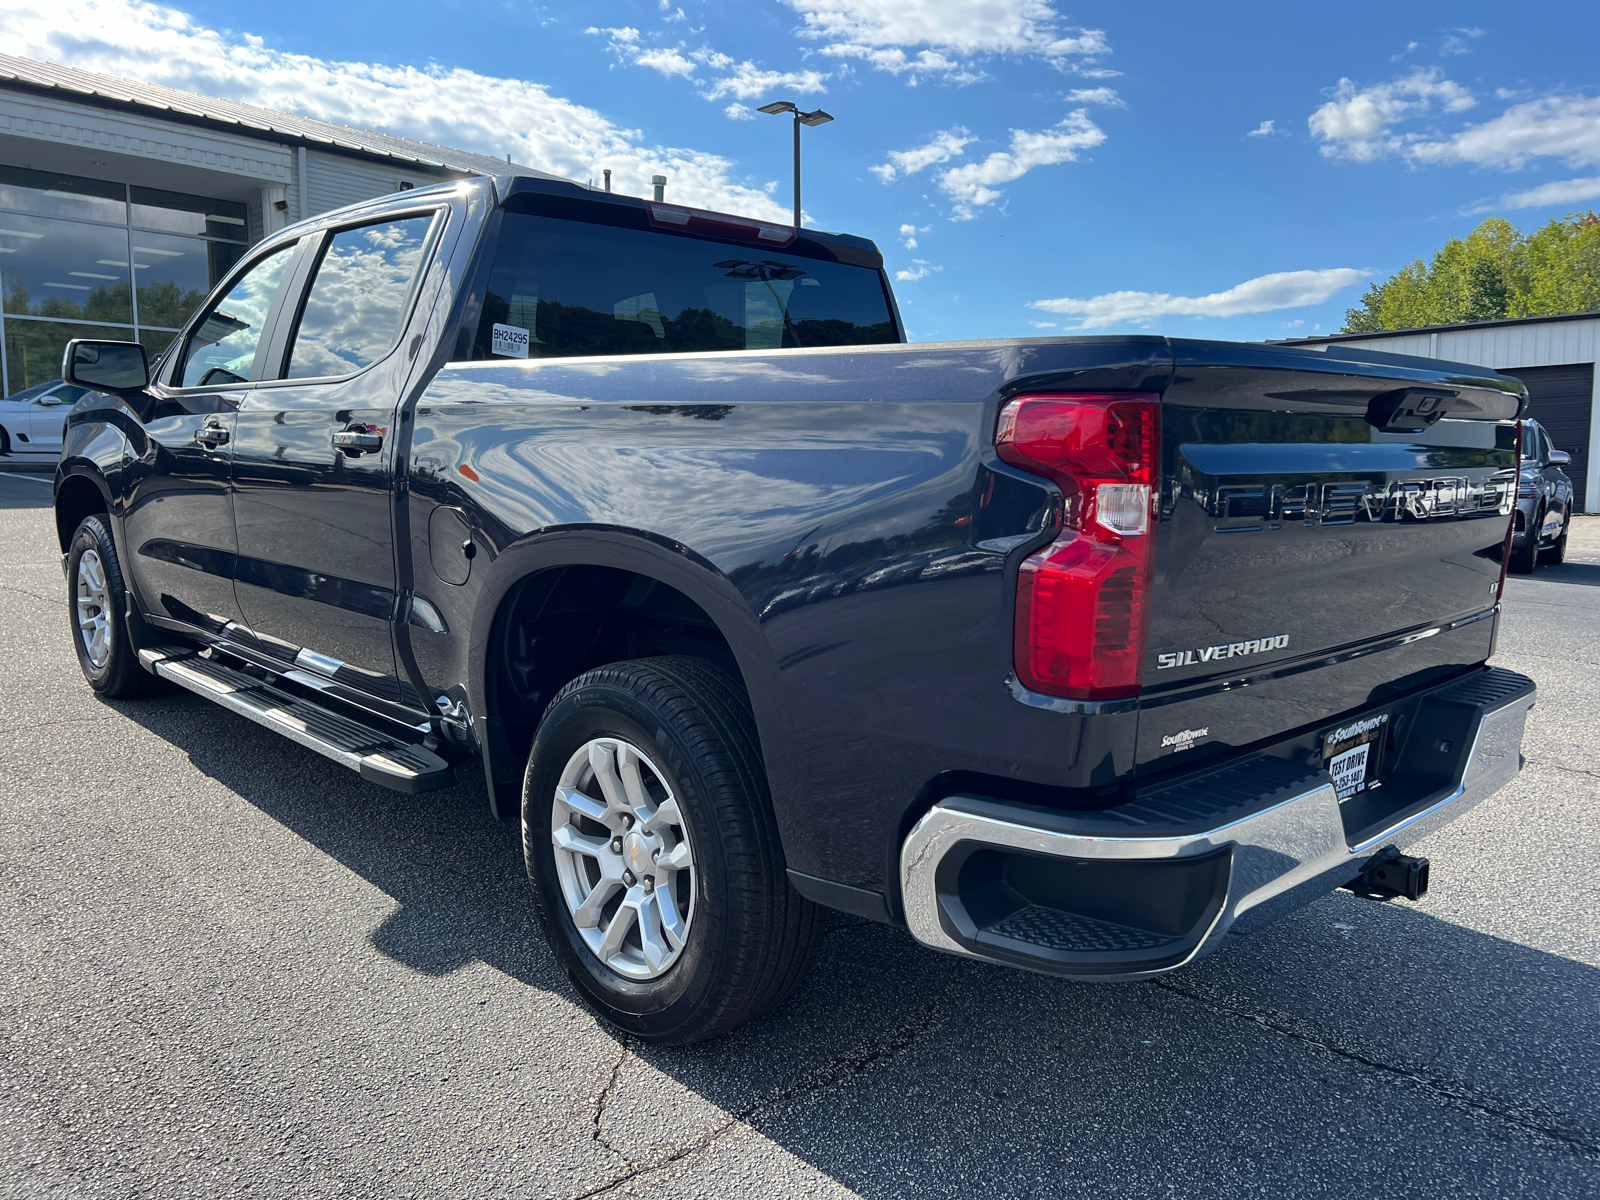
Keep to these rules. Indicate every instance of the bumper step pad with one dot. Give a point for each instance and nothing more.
(1150, 884)
(374, 755)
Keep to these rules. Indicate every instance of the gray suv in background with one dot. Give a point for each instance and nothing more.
(1544, 502)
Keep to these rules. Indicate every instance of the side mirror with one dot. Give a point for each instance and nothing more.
(106, 366)
(1559, 458)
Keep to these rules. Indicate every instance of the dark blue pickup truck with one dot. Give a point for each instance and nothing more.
(1074, 654)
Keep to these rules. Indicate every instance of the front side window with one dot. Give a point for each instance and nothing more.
(562, 288)
(1532, 442)
(354, 311)
(222, 349)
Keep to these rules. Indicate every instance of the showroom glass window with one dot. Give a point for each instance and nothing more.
(86, 258)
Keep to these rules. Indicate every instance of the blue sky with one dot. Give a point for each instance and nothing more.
(1231, 171)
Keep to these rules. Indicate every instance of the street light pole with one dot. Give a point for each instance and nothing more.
(815, 117)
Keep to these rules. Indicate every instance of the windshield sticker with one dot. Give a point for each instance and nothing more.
(509, 341)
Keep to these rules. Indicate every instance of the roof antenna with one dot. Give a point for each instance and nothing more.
(607, 174)
(508, 158)
(660, 182)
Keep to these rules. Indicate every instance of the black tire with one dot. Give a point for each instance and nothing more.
(5, 441)
(119, 676)
(1556, 552)
(1525, 558)
(751, 937)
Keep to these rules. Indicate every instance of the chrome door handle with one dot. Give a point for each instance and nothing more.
(358, 439)
(211, 435)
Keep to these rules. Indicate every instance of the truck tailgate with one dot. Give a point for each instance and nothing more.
(1326, 539)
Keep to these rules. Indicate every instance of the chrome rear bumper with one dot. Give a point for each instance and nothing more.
(1075, 894)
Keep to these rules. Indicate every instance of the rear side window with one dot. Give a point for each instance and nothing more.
(222, 348)
(564, 288)
(357, 303)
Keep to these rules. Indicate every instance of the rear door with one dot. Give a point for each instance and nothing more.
(313, 453)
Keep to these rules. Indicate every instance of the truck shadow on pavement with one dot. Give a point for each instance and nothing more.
(1351, 1040)
(1567, 572)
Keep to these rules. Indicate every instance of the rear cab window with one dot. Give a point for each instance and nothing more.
(561, 288)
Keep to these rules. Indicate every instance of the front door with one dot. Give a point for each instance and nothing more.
(48, 418)
(178, 517)
(312, 453)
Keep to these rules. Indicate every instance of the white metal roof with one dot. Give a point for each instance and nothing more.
(190, 107)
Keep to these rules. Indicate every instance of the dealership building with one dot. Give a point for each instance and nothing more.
(121, 204)
(1554, 356)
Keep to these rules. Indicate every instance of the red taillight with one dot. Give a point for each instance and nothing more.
(1082, 601)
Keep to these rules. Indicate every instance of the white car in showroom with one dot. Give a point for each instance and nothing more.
(31, 420)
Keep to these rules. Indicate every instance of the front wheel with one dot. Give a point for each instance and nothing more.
(96, 599)
(1525, 558)
(1556, 552)
(650, 842)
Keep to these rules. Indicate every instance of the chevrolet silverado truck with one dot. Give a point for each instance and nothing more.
(1079, 655)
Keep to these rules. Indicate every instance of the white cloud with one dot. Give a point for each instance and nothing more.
(625, 35)
(943, 36)
(1266, 293)
(1265, 129)
(908, 235)
(974, 184)
(746, 81)
(1456, 42)
(749, 81)
(489, 114)
(1562, 127)
(941, 148)
(1100, 95)
(1547, 195)
(1359, 123)
(919, 269)
(669, 62)
(740, 112)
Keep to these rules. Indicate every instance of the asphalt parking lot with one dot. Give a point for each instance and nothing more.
(229, 967)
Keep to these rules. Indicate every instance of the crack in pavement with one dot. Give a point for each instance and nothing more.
(829, 1077)
(50, 600)
(1552, 1130)
(1552, 766)
(603, 1101)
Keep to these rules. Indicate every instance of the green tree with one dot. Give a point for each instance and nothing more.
(1495, 271)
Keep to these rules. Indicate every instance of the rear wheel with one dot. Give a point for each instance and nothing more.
(649, 839)
(1525, 558)
(96, 599)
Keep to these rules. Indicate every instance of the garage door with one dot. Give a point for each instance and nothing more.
(1562, 399)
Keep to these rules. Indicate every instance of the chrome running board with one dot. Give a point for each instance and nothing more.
(376, 756)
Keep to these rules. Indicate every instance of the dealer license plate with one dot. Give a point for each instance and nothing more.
(1354, 754)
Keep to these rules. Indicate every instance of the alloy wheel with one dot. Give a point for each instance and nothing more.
(623, 858)
(94, 609)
